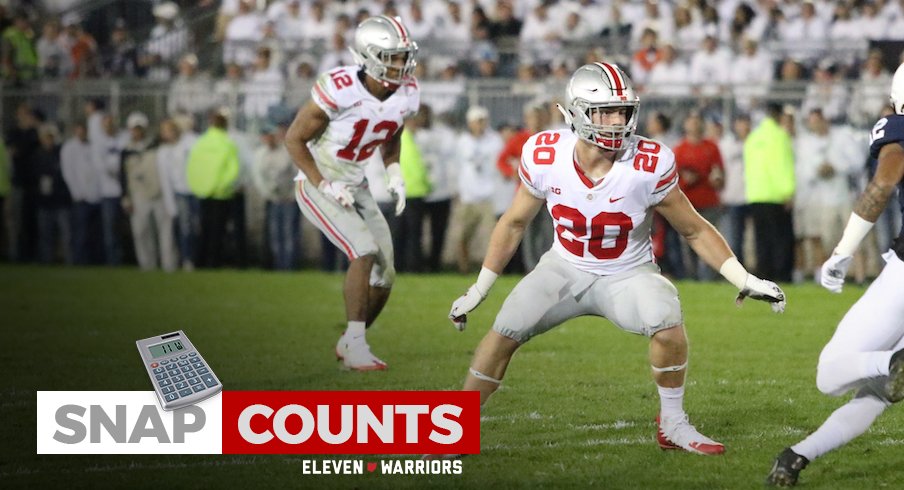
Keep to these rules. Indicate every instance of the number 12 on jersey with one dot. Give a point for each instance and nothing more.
(383, 130)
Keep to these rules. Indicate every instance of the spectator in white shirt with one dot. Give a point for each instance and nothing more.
(169, 38)
(419, 25)
(577, 27)
(657, 16)
(751, 74)
(290, 24)
(53, 56)
(454, 27)
(688, 30)
(669, 76)
(243, 33)
(710, 68)
(872, 25)
(472, 216)
(732, 196)
(338, 55)
(191, 90)
(264, 87)
(318, 28)
(806, 35)
(273, 175)
(825, 164)
(869, 92)
(81, 177)
(539, 37)
(826, 93)
(172, 159)
(147, 198)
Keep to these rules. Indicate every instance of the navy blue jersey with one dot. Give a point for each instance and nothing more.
(888, 130)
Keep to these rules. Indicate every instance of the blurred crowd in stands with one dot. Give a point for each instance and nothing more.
(203, 186)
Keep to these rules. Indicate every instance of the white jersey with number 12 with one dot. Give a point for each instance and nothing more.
(359, 122)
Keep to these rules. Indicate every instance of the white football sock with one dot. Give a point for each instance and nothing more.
(671, 401)
(355, 332)
(842, 426)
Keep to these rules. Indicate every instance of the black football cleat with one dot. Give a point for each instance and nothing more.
(786, 469)
(894, 388)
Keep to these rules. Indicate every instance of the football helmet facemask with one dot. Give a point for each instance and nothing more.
(600, 87)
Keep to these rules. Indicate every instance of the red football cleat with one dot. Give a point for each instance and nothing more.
(677, 433)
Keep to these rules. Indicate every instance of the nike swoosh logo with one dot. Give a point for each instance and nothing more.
(616, 199)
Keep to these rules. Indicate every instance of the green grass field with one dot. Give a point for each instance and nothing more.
(576, 409)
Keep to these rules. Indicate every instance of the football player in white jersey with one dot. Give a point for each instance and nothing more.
(353, 112)
(600, 183)
(866, 352)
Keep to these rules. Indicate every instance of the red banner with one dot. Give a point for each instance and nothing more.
(351, 422)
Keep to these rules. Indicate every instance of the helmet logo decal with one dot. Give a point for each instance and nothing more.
(616, 77)
(398, 25)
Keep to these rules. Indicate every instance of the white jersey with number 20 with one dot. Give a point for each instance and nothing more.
(601, 227)
(359, 122)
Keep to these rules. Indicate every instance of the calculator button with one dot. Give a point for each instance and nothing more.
(198, 388)
(164, 382)
(190, 374)
(208, 380)
(185, 392)
(174, 372)
(171, 397)
(158, 370)
(181, 385)
(186, 369)
(154, 364)
(183, 356)
(193, 381)
(194, 359)
(192, 353)
(164, 362)
(184, 363)
(167, 389)
(160, 376)
(198, 365)
(177, 378)
(173, 359)
(203, 371)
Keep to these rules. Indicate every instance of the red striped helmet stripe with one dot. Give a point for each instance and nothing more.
(398, 25)
(619, 85)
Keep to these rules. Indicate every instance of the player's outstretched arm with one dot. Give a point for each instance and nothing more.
(867, 210)
(504, 241)
(709, 244)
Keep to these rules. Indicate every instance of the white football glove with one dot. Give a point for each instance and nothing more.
(763, 290)
(337, 191)
(833, 272)
(464, 305)
(396, 186)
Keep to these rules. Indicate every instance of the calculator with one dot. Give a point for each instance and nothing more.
(179, 373)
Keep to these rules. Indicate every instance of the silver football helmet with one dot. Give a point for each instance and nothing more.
(379, 42)
(897, 90)
(598, 87)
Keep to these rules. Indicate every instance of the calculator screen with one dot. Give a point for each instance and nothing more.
(171, 347)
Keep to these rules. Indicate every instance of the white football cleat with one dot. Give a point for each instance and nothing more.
(357, 356)
(676, 432)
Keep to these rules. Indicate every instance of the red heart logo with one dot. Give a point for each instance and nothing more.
(371, 467)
